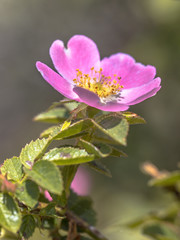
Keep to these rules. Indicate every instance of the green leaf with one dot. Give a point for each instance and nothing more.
(68, 173)
(114, 127)
(82, 207)
(47, 175)
(133, 118)
(167, 180)
(54, 130)
(77, 112)
(63, 102)
(13, 168)
(10, 217)
(28, 226)
(55, 115)
(49, 210)
(28, 193)
(159, 231)
(73, 129)
(49, 131)
(100, 151)
(91, 112)
(117, 153)
(68, 156)
(32, 151)
(100, 167)
(70, 104)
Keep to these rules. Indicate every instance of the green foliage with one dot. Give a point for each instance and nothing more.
(82, 207)
(33, 151)
(160, 232)
(100, 167)
(169, 179)
(68, 156)
(114, 127)
(162, 225)
(117, 153)
(133, 118)
(42, 166)
(28, 193)
(55, 115)
(47, 175)
(101, 152)
(10, 216)
(13, 169)
(28, 226)
(49, 210)
(73, 129)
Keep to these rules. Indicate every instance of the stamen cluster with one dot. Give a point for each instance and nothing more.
(98, 83)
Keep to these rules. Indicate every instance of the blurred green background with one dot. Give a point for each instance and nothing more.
(149, 30)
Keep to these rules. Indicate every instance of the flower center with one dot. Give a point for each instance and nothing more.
(103, 86)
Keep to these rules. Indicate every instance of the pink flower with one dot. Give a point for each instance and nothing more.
(112, 84)
(81, 183)
(47, 196)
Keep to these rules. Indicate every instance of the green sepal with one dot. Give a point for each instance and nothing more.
(70, 105)
(79, 111)
(100, 167)
(55, 115)
(64, 102)
(133, 118)
(92, 112)
(10, 216)
(68, 156)
(28, 226)
(47, 175)
(28, 193)
(117, 153)
(13, 168)
(33, 151)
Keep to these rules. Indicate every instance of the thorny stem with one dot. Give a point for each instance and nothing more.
(90, 230)
(75, 221)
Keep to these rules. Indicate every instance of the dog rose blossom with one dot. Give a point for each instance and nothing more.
(111, 84)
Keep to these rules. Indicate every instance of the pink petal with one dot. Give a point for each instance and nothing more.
(81, 183)
(91, 99)
(81, 53)
(132, 74)
(56, 81)
(47, 196)
(129, 96)
(144, 97)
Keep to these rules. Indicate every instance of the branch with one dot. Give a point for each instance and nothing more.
(90, 230)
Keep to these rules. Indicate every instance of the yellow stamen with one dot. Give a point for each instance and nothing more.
(96, 82)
